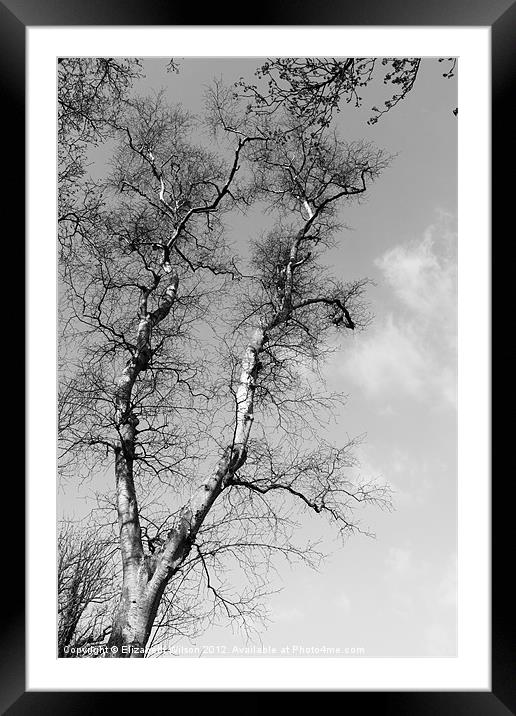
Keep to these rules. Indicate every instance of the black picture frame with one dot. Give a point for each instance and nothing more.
(500, 16)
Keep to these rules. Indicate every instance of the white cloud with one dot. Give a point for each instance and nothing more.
(292, 614)
(423, 275)
(399, 560)
(388, 359)
(425, 593)
(447, 586)
(343, 602)
(440, 640)
(412, 349)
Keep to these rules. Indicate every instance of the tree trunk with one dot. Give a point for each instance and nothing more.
(135, 615)
(138, 604)
(132, 622)
(146, 576)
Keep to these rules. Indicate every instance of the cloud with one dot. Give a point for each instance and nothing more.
(343, 602)
(440, 640)
(425, 593)
(447, 586)
(411, 352)
(423, 275)
(388, 360)
(399, 560)
(292, 614)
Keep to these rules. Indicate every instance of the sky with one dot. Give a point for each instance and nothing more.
(394, 595)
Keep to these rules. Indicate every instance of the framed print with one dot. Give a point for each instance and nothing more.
(211, 426)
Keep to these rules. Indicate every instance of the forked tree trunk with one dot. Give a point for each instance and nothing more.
(135, 614)
(145, 577)
(136, 610)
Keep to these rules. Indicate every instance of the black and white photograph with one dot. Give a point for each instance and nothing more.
(260, 453)
(257, 357)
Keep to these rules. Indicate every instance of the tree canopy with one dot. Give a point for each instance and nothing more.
(187, 362)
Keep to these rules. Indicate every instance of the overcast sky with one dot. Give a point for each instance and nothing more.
(394, 595)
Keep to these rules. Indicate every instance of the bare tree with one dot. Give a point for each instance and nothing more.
(183, 365)
(87, 585)
(91, 94)
(312, 89)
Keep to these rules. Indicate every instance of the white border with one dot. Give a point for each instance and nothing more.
(471, 669)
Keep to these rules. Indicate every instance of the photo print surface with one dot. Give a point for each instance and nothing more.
(257, 357)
